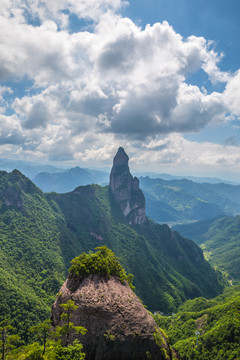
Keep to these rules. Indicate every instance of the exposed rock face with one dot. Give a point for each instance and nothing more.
(12, 197)
(118, 325)
(11, 192)
(126, 190)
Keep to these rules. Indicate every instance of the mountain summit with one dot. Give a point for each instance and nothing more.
(125, 189)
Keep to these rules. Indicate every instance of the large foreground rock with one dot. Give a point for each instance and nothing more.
(119, 327)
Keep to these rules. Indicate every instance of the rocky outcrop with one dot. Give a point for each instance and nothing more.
(118, 326)
(12, 197)
(125, 190)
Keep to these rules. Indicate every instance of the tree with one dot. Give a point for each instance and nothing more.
(66, 329)
(42, 331)
(6, 338)
(56, 351)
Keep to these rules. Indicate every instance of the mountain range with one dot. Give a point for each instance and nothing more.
(41, 233)
(169, 199)
(68, 180)
(180, 201)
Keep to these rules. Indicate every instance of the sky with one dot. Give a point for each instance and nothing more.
(161, 78)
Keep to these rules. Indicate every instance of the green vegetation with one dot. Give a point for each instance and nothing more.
(160, 343)
(42, 332)
(219, 239)
(41, 233)
(167, 269)
(103, 263)
(217, 322)
(65, 330)
(46, 343)
(7, 338)
(54, 351)
(31, 266)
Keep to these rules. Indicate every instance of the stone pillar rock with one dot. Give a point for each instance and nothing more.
(126, 190)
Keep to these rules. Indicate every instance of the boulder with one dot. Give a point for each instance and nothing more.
(118, 325)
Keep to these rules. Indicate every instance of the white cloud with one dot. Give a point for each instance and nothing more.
(11, 131)
(51, 9)
(177, 155)
(116, 84)
(232, 94)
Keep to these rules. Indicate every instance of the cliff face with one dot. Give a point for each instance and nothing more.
(126, 190)
(118, 326)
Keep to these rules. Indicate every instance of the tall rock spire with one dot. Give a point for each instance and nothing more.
(126, 190)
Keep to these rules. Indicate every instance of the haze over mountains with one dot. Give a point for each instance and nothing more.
(179, 201)
(170, 199)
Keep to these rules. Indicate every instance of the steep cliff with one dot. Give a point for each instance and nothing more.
(126, 190)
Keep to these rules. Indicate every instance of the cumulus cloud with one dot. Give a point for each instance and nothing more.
(231, 94)
(116, 84)
(58, 10)
(11, 131)
(186, 157)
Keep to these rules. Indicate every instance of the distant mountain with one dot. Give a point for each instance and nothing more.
(50, 178)
(68, 180)
(168, 201)
(41, 233)
(29, 169)
(179, 201)
(197, 179)
(220, 239)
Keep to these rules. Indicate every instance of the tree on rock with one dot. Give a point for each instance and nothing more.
(66, 329)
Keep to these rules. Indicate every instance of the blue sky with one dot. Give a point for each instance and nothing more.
(159, 77)
(217, 20)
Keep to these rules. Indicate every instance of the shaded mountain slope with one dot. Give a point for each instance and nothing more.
(220, 239)
(181, 200)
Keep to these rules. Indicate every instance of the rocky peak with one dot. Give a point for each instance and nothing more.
(126, 190)
(121, 158)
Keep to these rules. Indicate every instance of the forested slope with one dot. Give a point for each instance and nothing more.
(220, 240)
(40, 233)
